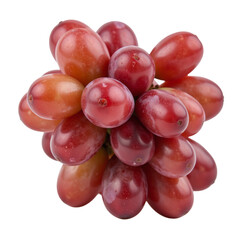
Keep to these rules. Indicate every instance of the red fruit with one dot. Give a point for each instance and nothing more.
(162, 113)
(82, 54)
(177, 55)
(134, 67)
(205, 171)
(208, 93)
(170, 197)
(107, 102)
(132, 143)
(76, 140)
(78, 185)
(124, 189)
(55, 96)
(32, 120)
(195, 111)
(60, 30)
(173, 157)
(117, 35)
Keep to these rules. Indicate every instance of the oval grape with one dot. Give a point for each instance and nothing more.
(177, 55)
(173, 157)
(162, 113)
(33, 121)
(59, 30)
(204, 173)
(132, 143)
(82, 54)
(124, 189)
(134, 67)
(76, 140)
(116, 35)
(55, 96)
(195, 111)
(170, 197)
(107, 102)
(207, 93)
(78, 185)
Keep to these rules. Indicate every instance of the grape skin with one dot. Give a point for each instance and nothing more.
(162, 113)
(76, 140)
(132, 143)
(107, 103)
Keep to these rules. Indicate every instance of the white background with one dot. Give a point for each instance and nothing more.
(29, 205)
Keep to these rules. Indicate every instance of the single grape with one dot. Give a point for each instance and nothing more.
(76, 140)
(55, 96)
(78, 185)
(134, 67)
(124, 189)
(162, 113)
(207, 93)
(59, 30)
(195, 111)
(132, 143)
(205, 171)
(117, 35)
(33, 121)
(82, 54)
(46, 138)
(173, 157)
(177, 55)
(107, 102)
(170, 197)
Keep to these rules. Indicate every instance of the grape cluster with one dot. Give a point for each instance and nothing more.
(119, 119)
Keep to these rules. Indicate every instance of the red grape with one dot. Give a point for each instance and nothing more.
(134, 67)
(32, 120)
(205, 171)
(76, 140)
(132, 143)
(173, 157)
(55, 96)
(82, 54)
(162, 113)
(46, 138)
(208, 93)
(116, 129)
(177, 55)
(60, 30)
(107, 102)
(170, 197)
(78, 185)
(124, 189)
(195, 111)
(117, 35)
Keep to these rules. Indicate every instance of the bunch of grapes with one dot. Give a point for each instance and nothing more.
(119, 119)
